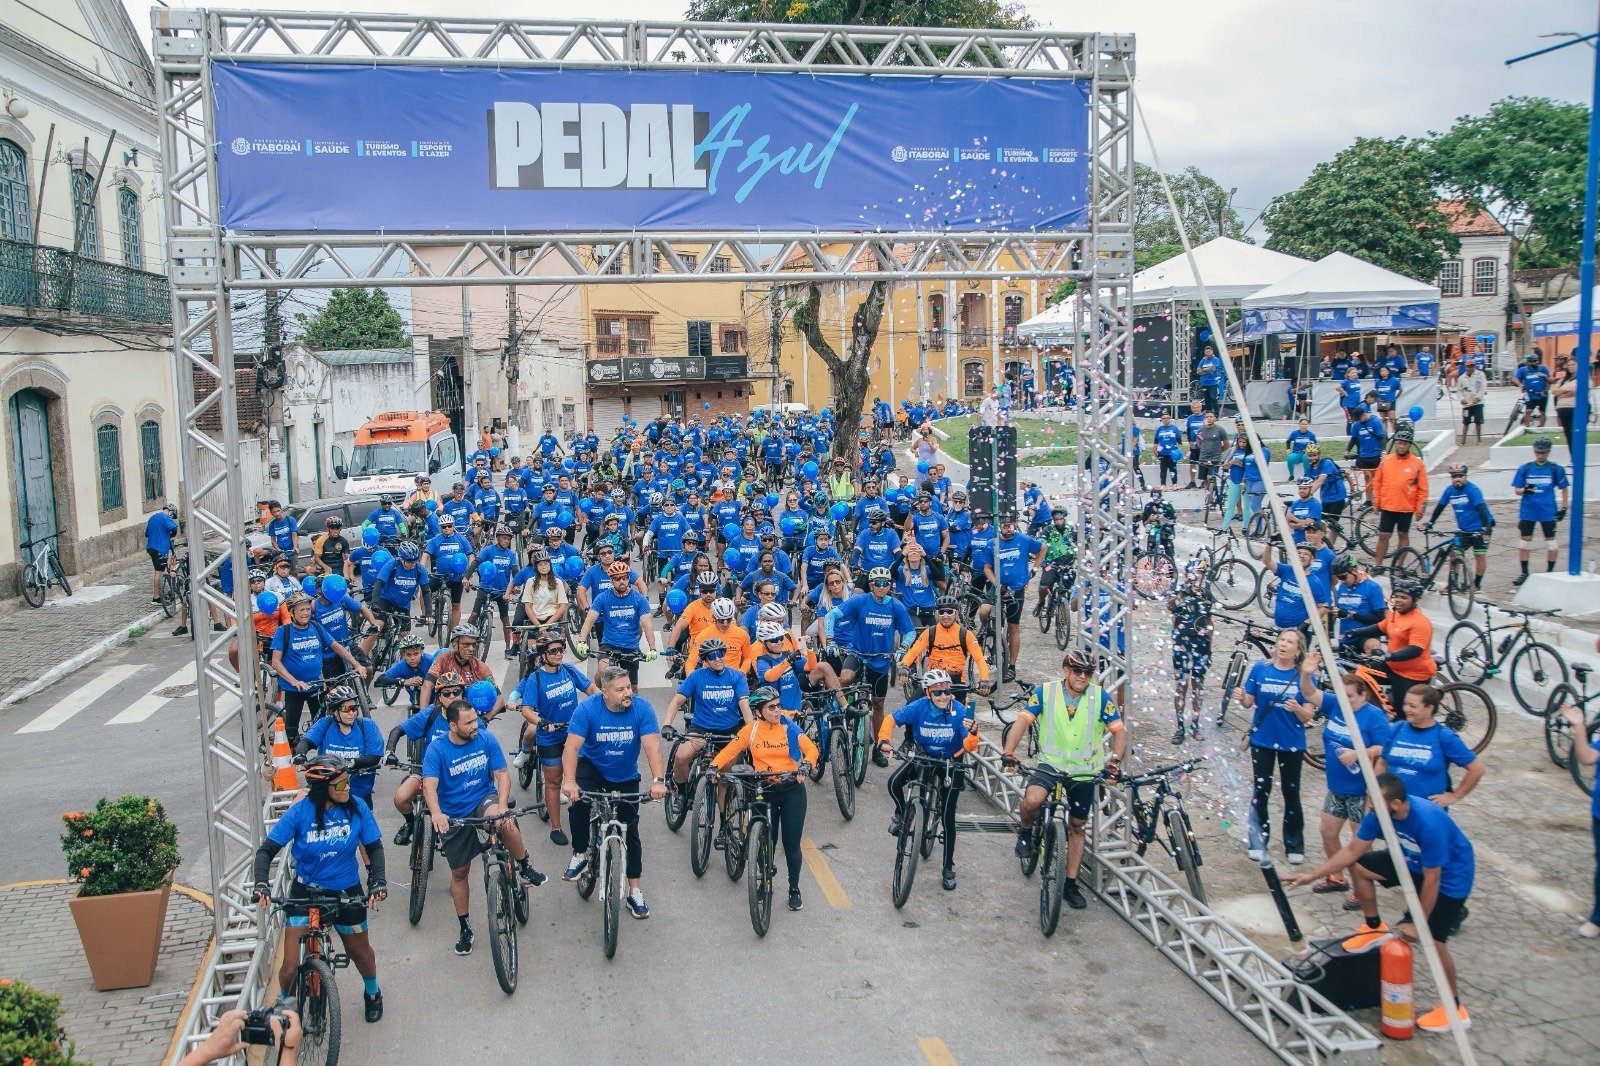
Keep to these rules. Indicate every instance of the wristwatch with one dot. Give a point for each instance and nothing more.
(658, 780)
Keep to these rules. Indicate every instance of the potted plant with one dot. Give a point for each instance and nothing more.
(30, 1027)
(123, 854)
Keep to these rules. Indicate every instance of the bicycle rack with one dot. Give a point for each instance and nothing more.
(1251, 985)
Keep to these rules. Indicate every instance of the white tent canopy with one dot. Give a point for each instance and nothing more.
(1560, 319)
(1231, 270)
(1340, 280)
(1053, 325)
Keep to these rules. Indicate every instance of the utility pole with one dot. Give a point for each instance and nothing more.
(775, 334)
(513, 367)
(469, 397)
(272, 325)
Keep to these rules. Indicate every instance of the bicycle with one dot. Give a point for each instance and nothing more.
(1440, 554)
(174, 584)
(1260, 637)
(757, 845)
(1166, 809)
(1031, 742)
(40, 570)
(842, 742)
(1047, 847)
(1231, 576)
(505, 896)
(922, 825)
(1473, 653)
(316, 993)
(438, 608)
(1558, 738)
(680, 798)
(607, 859)
(1056, 611)
(1464, 707)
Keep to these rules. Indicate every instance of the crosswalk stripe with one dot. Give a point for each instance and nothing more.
(150, 702)
(80, 698)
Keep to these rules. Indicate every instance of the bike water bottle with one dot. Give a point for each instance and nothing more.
(1398, 1004)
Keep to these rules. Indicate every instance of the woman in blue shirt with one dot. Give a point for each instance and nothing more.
(546, 698)
(1421, 751)
(345, 732)
(1300, 438)
(1272, 692)
(1347, 792)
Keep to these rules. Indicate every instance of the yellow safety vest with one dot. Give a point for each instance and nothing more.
(841, 486)
(1071, 740)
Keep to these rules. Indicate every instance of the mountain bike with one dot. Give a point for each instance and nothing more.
(1442, 555)
(505, 896)
(438, 608)
(608, 838)
(174, 584)
(1261, 638)
(1030, 743)
(1558, 738)
(40, 570)
(758, 830)
(681, 798)
(1231, 575)
(1164, 809)
(1047, 847)
(922, 825)
(316, 994)
(1056, 611)
(1474, 653)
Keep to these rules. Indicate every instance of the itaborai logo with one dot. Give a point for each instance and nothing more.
(647, 146)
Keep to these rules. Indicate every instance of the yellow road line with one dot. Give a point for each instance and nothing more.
(823, 873)
(935, 1052)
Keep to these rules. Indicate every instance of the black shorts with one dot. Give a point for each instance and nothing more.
(495, 600)
(1054, 572)
(463, 842)
(1012, 602)
(347, 918)
(877, 680)
(1537, 405)
(1194, 453)
(1472, 414)
(1369, 462)
(1525, 528)
(1448, 911)
(1478, 541)
(1394, 521)
(455, 591)
(1080, 794)
(1334, 509)
(1208, 470)
(158, 560)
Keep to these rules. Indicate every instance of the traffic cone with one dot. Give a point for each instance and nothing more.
(284, 778)
(1398, 1020)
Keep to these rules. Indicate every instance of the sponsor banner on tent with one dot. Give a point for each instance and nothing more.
(411, 149)
(1555, 329)
(1269, 320)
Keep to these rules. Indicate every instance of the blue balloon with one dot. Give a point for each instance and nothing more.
(705, 406)
(890, 495)
(729, 531)
(573, 567)
(790, 523)
(334, 586)
(922, 467)
(453, 565)
(809, 469)
(731, 556)
(564, 516)
(772, 499)
(433, 505)
(308, 585)
(1415, 414)
(494, 453)
(481, 695)
(267, 602)
(381, 558)
(839, 510)
(370, 537)
(677, 600)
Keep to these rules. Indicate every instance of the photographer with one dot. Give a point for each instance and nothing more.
(229, 1037)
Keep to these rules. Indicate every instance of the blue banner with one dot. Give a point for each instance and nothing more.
(411, 149)
(1555, 329)
(1265, 321)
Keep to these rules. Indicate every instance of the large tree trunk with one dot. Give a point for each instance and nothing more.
(850, 376)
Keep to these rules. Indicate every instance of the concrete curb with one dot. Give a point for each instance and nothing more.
(80, 660)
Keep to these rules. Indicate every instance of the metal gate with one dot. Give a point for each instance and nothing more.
(605, 416)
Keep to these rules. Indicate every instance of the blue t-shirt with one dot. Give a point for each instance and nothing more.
(1388, 389)
(1304, 509)
(455, 544)
(327, 858)
(1535, 381)
(302, 649)
(1169, 442)
(464, 772)
(364, 738)
(386, 520)
(1193, 425)
(1466, 506)
(1274, 724)
(1422, 757)
(1208, 372)
(620, 616)
(1368, 435)
(788, 682)
(815, 562)
(714, 697)
(611, 739)
(915, 587)
(876, 549)
(872, 626)
(1424, 363)
(1375, 728)
(1365, 598)
(936, 732)
(1350, 393)
(1015, 555)
(1431, 840)
(928, 529)
(400, 583)
(1334, 486)
(1288, 608)
(554, 694)
(159, 531)
(282, 531)
(1300, 439)
(1542, 481)
(498, 578)
(668, 531)
(334, 616)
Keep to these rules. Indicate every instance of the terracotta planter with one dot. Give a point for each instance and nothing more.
(121, 935)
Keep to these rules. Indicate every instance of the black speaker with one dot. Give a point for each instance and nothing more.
(984, 445)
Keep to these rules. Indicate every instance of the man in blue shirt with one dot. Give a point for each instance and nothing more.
(159, 530)
(283, 529)
(386, 520)
(1543, 487)
(1534, 380)
(1367, 438)
(1358, 599)
(876, 547)
(623, 614)
(1017, 553)
(464, 775)
(1440, 860)
(1192, 425)
(604, 739)
(1474, 521)
(1208, 375)
(873, 620)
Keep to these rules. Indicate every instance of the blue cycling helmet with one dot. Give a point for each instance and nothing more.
(334, 587)
(481, 696)
(267, 602)
(408, 551)
(369, 537)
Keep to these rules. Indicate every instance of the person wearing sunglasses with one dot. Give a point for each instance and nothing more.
(1077, 719)
(872, 622)
(421, 729)
(1474, 520)
(940, 726)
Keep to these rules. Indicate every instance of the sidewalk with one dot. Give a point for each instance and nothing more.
(38, 646)
(126, 1027)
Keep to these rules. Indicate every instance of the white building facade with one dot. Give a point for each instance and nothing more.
(1474, 284)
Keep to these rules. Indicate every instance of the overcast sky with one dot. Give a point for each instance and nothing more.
(1254, 92)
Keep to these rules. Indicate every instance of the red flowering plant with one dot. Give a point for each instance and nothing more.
(30, 1027)
(125, 845)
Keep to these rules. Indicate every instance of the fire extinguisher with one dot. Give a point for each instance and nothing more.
(1398, 1007)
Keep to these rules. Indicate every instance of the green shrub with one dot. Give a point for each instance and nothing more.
(30, 1027)
(125, 845)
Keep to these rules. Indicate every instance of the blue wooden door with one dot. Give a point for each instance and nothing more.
(36, 487)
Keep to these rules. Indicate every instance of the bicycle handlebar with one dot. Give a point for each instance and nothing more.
(1150, 777)
(614, 797)
(490, 819)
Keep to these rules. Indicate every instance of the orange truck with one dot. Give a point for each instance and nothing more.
(392, 448)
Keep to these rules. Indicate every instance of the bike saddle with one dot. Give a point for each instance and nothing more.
(1581, 671)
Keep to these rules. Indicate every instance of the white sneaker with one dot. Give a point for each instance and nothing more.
(522, 759)
(1296, 859)
(1589, 931)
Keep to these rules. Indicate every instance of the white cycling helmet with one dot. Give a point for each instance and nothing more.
(770, 631)
(722, 609)
(772, 612)
(935, 678)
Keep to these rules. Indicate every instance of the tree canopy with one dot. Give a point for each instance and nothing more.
(354, 318)
(977, 14)
(1202, 203)
(1374, 200)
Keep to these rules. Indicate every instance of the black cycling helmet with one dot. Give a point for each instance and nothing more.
(407, 551)
(326, 768)
(712, 646)
(1408, 586)
(1078, 659)
(944, 603)
(761, 696)
(1458, 470)
(1541, 444)
(1406, 434)
(1345, 564)
(340, 695)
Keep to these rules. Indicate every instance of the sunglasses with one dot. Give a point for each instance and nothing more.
(340, 785)
(708, 656)
(1080, 671)
(880, 584)
(935, 693)
(448, 691)
(946, 610)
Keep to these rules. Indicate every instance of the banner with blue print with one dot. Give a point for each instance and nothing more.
(408, 149)
(1555, 329)
(1265, 321)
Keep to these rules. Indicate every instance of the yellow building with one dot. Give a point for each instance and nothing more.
(673, 349)
(937, 339)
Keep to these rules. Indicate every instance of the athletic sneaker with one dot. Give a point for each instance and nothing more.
(636, 904)
(1589, 930)
(1296, 858)
(464, 942)
(521, 759)
(1179, 734)
(1367, 937)
(1074, 896)
(1437, 1021)
(1023, 843)
(402, 836)
(949, 878)
(575, 868)
(530, 875)
(372, 1006)
(795, 902)
(1351, 903)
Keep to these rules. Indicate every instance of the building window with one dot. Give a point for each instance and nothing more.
(1013, 310)
(610, 330)
(1485, 277)
(972, 378)
(16, 210)
(974, 331)
(732, 340)
(639, 336)
(689, 262)
(1450, 278)
(132, 227)
(936, 311)
(720, 264)
(85, 214)
(154, 482)
(616, 265)
(108, 447)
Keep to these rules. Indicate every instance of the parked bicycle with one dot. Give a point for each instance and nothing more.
(316, 993)
(1474, 653)
(1558, 735)
(174, 584)
(1260, 638)
(759, 849)
(608, 841)
(505, 896)
(1231, 575)
(41, 568)
(1442, 555)
(1164, 810)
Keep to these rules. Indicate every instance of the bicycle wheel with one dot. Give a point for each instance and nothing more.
(611, 895)
(1516, 416)
(1063, 622)
(1459, 589)
(702, 827)
(1266, 590)
(485, 631)
(1052, 877)
(1152, 575)
(317, 1000)
(390, 694)
(1584, 775)
(1315, 756)
(1257, 529)
(58, 576)
(1468, 655)
(1232, 678)
(1233, 584)
(759, 884)
(421, 852)
(1043, 611)
(861, 746)
(29, 586)
(905, 862)
(840, 765)
(1408, 561)
(1468, 710)
(676, 807)
(928, 832)
(169, 595)
(1030, 861)
(816, 730)
(1536, 669)
(1557, 731)
(502, 926)
(441, 618)
(1184, 849)
(734, 856)
(1366, 531)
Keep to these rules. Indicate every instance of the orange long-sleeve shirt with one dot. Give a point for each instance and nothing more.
(1401, 484)
(696, 616)
(740, 655)
(948, 648)
(771, 746)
